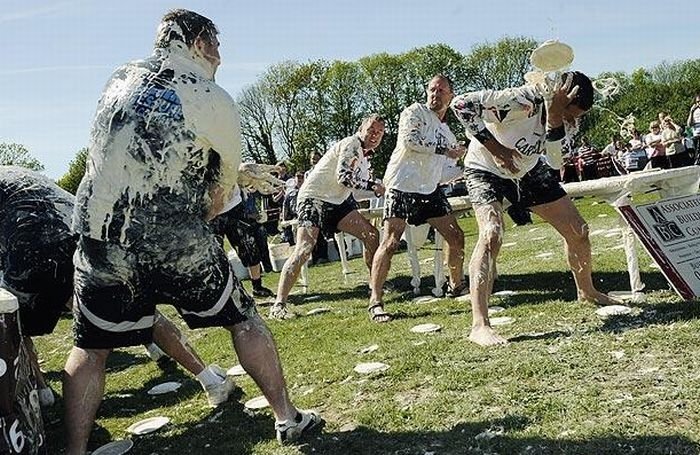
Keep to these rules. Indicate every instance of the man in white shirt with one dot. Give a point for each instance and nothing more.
(511, 129)
(164, 156)
(424, 149)
(325, 203)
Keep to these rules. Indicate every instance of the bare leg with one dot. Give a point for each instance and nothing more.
(174, 343)
(83, 388)
(454, 239)
(482, 271)
(306, 239)
(393, 228)
(357, 225)
(258, 356)
(564, 217)
(254, 271)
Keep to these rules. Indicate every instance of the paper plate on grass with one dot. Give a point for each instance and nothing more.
(613, 310)
(370, 367)
(165, 387)
(506, 245)
(236, 370)
(504, 293)
(496, 309)
(463, 298)
(425, 299)
(148, 425)
(502, 321)
(318, 311)
(552, 55)
(257, 403)
(119, 447)
(546, 255)
(426, 328)
(369, 349)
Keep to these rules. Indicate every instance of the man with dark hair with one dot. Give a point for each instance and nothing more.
(163, 159)
(511, 129)
(425, 147)
(326, 205)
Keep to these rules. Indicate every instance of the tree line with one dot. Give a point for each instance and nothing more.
(294, 109)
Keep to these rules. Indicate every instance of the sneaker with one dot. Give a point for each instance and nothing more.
(279, 311)
(290, 431)
(262, 292)
(461, 289)
(219, 393)
(46, 397)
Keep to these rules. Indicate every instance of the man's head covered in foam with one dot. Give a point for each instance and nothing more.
(191, 33)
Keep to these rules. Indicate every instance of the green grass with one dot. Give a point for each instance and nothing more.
(568, 382)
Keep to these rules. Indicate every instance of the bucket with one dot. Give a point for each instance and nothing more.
(279, 253)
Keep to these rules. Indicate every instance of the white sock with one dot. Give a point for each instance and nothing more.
(154, 352)
(207, 378)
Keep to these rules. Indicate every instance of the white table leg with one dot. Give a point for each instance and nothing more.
(438, 271)
(413, 259)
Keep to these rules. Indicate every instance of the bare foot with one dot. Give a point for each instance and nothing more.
(486, 336)
(598, 298)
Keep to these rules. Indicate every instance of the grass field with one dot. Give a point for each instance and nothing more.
(568, 382)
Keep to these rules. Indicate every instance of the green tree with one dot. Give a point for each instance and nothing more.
(501, 64)
(76, 170)
(12, 154)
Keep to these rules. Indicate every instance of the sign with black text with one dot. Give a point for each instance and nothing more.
(669, 230)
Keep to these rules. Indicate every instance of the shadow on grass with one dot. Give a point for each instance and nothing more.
(482, 438)
(653, 314)
(229, 430)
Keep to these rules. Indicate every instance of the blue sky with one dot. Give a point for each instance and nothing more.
(59, 54)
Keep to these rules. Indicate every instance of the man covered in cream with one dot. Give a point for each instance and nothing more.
(163, 158)
(517, 138)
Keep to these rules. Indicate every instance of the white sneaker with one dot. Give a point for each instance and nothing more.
(279, 311)
(219, 393)
(46, 397)
(290, 431)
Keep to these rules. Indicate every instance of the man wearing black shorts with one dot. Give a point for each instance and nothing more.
(424, 148)
(242, 233)
(163, 157)
(518, 135)
(36, 262)
(326, 204)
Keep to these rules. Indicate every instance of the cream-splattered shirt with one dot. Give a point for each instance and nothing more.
(164, 133)
(417, 162)
(341, 170)
(515, 118)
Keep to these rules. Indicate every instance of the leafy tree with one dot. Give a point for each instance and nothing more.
(76, 170)
(501, 64)
(18, 155)
(258, 122)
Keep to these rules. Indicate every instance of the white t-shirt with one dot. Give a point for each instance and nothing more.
(415, 167)
(515, 118)
(342, 169)
(696, 122)
(152, 144)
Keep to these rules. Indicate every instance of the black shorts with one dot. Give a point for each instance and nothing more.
(241, 234)
(539, 186)
(416, 208)
(41, 277)
(117, 288)
(324, 215)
